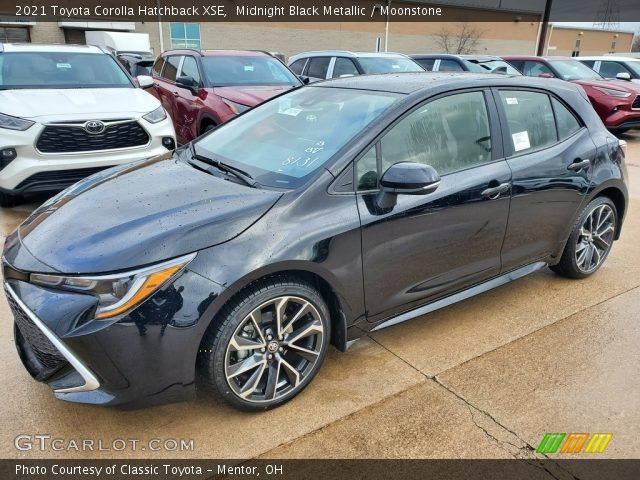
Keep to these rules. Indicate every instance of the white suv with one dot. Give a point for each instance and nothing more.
(69, 111)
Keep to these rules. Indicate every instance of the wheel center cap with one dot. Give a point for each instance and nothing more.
(272, 347)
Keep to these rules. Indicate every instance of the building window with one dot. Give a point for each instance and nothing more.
(613, 47)
(14, 35)
(185, 35)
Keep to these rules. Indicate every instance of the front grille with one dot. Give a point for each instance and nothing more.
(66, 139)
(55, 180)
(47, 355)
(636, 102)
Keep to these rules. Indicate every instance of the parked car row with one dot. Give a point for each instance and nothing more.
(69, 111)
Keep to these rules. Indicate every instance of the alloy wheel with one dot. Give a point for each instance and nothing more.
(273, 349)
(595, 238)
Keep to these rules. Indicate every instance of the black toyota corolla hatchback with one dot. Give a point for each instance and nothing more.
(325, 213)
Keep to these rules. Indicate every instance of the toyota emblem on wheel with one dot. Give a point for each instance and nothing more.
(94, 126)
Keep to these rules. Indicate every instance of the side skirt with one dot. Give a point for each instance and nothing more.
(463, 295)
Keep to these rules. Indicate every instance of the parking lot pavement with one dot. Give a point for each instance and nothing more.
(484, 378)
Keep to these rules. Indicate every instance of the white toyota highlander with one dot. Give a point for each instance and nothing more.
(67, 112)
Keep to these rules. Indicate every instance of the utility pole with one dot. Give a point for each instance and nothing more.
(545, 25)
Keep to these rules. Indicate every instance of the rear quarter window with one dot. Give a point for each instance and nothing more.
(566, 121)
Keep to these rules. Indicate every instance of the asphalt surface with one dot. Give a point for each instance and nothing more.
(485, 378)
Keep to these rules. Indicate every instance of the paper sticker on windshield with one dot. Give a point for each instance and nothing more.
(512, 101)
(248, 68)
(63, 65)
(520, 141)
(294, 112)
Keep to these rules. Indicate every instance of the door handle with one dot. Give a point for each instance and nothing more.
(492, 193)
(175, 94)
(578, 165)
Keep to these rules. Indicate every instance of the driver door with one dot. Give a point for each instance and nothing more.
(429, 245)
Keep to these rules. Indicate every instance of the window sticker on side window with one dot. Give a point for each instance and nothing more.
(521, 141)
(511, 101)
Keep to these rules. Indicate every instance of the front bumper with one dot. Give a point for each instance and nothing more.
(146, 357)
(33, 171)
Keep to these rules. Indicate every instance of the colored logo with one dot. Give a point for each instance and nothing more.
(573, 442)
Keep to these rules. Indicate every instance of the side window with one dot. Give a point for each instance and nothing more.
(157, 67)
(566, 121)
(447, 65)
(190, 69)
(426, 63)
(297, 66)
(367, 171)
(611, 69)
(450, 134)
(589, 63)
(535, 69)
(344, 66)
(170, 71)
(530, 119)
(318, 67)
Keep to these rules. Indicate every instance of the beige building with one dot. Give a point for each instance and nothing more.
(574, 41)
(497, 32)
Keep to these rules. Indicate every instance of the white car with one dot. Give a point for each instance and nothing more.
(609, 66)
(69, 111)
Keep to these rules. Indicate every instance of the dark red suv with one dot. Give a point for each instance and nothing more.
(616, 102)
(204, 88)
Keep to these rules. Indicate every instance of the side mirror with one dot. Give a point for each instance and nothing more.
(304, 79)
(545, 75)
(624, 76)
(406, 178)
(185, 82)
(145, 81)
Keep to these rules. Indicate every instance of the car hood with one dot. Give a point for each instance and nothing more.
(137, 215)
(250, 96)
(616, 84)
(76, 103)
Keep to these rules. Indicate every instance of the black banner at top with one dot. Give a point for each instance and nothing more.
(604, 12)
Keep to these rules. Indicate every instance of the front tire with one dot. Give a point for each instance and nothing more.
(590, 241)
(266, 345)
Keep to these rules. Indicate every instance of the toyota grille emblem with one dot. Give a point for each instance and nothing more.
(94, 127)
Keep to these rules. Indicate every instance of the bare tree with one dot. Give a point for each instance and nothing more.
(464, 39)
(635, 46)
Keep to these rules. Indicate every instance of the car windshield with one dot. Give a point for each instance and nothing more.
(634, 67)
(60, 70)
(573, 70)
(246, 70)
(497, 66)
(283, 141)
(373, 65)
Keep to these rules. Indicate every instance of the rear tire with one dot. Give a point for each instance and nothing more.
(8, 200)
(266, 345)
(590, 241)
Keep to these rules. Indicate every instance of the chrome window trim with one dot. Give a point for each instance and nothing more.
(90, 380)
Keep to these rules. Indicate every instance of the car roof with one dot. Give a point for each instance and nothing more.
(217, 52)
(345, 53)
(479, 57)
(410, 83)
(534, 57)
(612, 58)
(36, 47)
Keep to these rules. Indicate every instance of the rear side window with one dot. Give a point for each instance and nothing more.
(297, 66)
(344, 66)
(171, 68)
(318, 67)
(567, 123)
(530, 119)
(157, 67)
(447, 65)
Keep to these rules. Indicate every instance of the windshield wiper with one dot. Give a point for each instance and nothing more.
(228, 169)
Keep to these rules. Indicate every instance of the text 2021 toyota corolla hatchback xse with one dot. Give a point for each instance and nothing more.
(325, 213)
